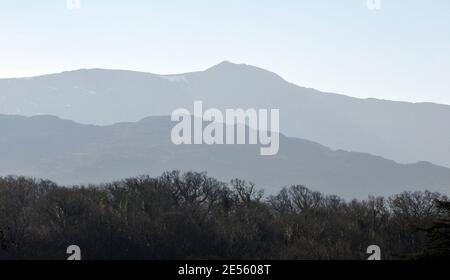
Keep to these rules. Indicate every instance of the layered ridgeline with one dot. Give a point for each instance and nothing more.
(404, 132)
(72, 153)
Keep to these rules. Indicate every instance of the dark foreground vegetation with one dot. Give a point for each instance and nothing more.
(193, 216)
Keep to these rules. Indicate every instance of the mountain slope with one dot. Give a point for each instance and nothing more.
(71, 153)
(405, 132)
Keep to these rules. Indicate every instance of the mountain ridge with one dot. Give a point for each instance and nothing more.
(70, 153)
(403, 131)
(218, 66)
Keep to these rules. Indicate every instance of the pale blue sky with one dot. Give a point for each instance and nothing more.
(401, 52)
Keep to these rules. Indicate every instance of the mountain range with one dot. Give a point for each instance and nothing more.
(96, 125)
(401, 131)
(71, 153)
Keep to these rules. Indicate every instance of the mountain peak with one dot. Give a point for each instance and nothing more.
(227, 62)
(230, 68)
(224, 65)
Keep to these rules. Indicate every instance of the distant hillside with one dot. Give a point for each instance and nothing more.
(72, 153)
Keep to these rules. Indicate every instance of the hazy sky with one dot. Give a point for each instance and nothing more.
(400, 52)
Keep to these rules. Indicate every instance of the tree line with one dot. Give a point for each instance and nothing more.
(193, 216)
